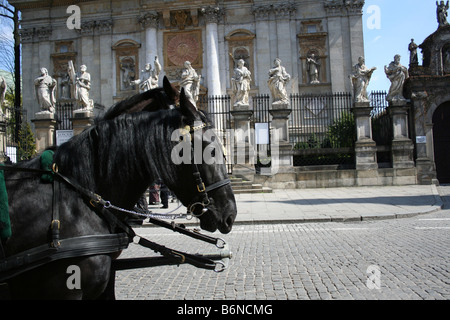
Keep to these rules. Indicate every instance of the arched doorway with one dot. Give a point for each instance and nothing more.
(441, 136)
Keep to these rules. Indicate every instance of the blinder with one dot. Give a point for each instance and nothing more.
(201, 199)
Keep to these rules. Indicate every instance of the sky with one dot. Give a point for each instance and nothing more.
(389, 26)
(390, 33)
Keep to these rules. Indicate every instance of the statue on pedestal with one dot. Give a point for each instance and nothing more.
(278, 78)
(190, 81)
(82, 86)
(413, 58)
(151, 76)
(241, 84)
(45, 91)
(442, 13)
(313, 69)
(397, 74)
(360, 79)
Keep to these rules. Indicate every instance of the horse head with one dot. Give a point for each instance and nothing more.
(203, 185)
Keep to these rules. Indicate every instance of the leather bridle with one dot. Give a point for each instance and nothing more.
(201, 198)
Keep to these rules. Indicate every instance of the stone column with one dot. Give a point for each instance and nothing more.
(81, 120)
(283, 14)
(402, 146)
(365, 147)
(106, 61)
(262, 46)
(44, 125)
(212, 16)
(423, 125)
(150, 22)
(336, 53)
(281, 148)
(243, 150)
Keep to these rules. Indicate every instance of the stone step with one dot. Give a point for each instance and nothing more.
(240, 185)
(262, 190)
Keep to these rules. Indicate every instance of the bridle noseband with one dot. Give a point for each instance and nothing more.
(201, 199)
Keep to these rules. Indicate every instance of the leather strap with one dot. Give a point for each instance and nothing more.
(69, 248)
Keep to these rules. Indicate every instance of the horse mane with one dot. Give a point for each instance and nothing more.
(105, 156)
(151, 100)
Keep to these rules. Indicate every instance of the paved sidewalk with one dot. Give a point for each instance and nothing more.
(330, 204)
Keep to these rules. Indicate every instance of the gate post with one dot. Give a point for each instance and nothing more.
(45, 125)
(2, 138)
(281, 148)
(365, 147)
(81, 120)
(402, 146)
(243, 162)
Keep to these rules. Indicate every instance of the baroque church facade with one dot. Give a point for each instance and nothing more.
(116, 39)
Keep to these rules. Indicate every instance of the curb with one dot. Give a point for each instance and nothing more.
(435, 207)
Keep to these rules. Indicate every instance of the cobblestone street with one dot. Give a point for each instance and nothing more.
(306, 261)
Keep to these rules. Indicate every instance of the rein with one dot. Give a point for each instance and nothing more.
(103, 244)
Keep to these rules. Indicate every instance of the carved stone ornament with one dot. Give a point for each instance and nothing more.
(180, 47)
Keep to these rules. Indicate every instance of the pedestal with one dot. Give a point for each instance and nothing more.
(44, 124)
(366, 155)
(402, 146)
(280, 146)
(243, 149)
(81, 120)
(365, 147)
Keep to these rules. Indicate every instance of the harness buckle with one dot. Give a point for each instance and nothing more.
(201, 188)
(57, 222)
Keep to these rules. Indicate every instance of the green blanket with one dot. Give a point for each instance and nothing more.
(46, 164)
(5, 223)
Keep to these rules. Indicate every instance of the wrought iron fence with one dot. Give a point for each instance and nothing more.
(219, 111)
(382, 130)
(322, 129)
(17, 140)
(63, 116)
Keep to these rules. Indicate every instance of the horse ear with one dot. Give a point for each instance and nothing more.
(172, 93)
(187, 109)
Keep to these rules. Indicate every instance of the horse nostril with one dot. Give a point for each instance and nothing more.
(229, 222)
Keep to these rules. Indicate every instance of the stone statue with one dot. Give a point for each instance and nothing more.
(190, 81)
(413, 58)
(360, 79)
(65, 86)
(312, 66)
(241, 84)
(151, 76)
(82, 86)
(397, 74)
(278, 78)
(45, 90)
(3, 88)
(442, 13)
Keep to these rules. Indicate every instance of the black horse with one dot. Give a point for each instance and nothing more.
(116, 158)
